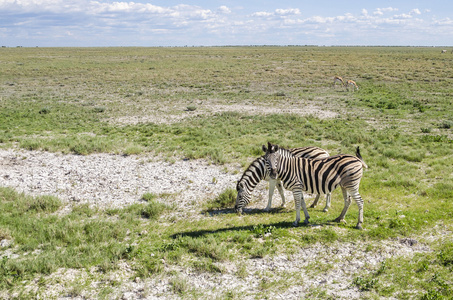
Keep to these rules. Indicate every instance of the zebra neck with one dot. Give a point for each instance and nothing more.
(254, 174)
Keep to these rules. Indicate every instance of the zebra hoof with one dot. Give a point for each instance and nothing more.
(340, 220)
(296, 224)
(267, 209)
(325, 210)
(359, 227)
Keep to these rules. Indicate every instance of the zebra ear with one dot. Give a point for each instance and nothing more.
(270, 147)
(264, 148)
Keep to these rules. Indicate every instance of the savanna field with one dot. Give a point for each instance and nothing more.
(217, 106)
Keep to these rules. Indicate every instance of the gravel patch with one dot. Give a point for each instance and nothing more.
(107, 181)
(176, 113)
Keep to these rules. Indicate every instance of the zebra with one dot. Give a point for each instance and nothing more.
(257, 171)
(318, 176)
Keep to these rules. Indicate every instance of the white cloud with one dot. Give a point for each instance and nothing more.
(442, 22)
(224, 10)
(262, 14)
(278, 13)
(403, 16)
(287, 12)
(415, 11)
(381, 11)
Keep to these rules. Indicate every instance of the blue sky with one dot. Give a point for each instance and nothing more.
(87, 23)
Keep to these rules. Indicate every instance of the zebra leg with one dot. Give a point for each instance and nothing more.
(299, 199)
(347, 202)
(327, 203)
(358, 199)
(282, 194)
(272, 184)
(315, 202)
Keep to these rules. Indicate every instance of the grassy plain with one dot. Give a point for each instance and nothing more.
(182, 102)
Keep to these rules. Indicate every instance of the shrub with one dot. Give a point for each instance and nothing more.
(44, 111)
(365, 284)
(44, 204)
(446, 124)
(153, 210)
(149, 197)
(99, 109)
(5, 234)
(445, 255)
(226, 199)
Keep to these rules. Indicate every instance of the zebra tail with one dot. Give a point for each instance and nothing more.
(357, 153)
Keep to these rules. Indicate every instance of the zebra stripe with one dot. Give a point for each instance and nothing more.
(318, 176)
(257, 171)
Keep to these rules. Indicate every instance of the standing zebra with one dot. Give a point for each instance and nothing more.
(257, 171)
(318, 176)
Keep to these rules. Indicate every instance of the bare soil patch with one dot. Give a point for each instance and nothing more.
(178, 112)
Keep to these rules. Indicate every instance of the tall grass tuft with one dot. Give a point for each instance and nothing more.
(225, 199)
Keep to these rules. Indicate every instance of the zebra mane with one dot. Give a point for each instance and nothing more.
(284, 151)
(256, 164)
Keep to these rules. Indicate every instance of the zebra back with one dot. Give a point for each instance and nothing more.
(320, 176)
(258, 171)
(309, 152)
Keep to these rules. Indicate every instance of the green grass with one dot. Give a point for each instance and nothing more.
(424, 272)
(87, 238)
(73, 101)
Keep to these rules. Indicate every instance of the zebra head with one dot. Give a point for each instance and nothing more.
(271, 159)
(243, 197)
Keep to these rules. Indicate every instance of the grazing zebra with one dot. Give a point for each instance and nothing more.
(257, 171)
(318, 176)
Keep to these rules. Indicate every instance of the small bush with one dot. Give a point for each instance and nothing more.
(44, 204)
(446, 124)
(99, 109)
(226, 199)
(262, 230)
(432, 295)
(5, 234)
(365, 284)
(180, 286)
(133, 150)
(191, 108)
(44, 111)
(30, 145)
(153, 210)
(149, 197)
(436, 139)
(445, 255)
